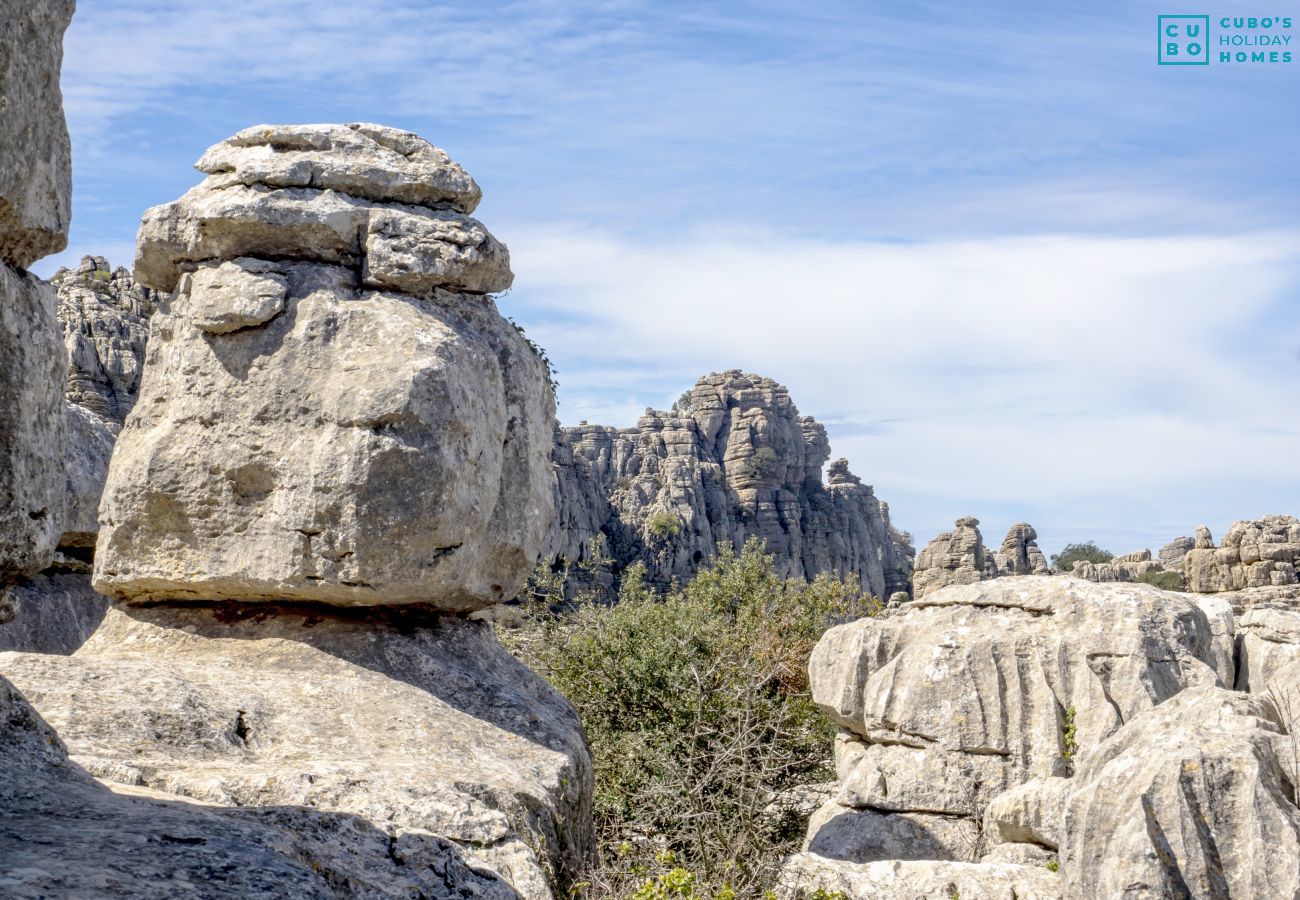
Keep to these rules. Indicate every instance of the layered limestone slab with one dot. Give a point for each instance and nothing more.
(36, 162)
(805, 873)
(427, 734)
(298, 437)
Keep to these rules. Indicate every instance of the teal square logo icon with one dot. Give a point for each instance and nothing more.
(1184, 40)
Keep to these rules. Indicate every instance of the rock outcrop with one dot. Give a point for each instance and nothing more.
(807, 873)
(960, 557)
(732, 460)
(310, 430)
(333, 448)
(1254, 554)
(1267, 640)
(1190, 799)
(35, 191)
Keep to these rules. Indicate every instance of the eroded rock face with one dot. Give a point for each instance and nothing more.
(1267, 640)
(732, 460)
(63, 834)
(1254, 554)
(301, 436)
(1189, 799)
(977, 689)
(1020, 554)
(952, 557)
(36, 163)
(32, 480)
(431, 730)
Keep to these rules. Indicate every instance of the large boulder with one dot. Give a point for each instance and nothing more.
(36, 162)
(1189, 799)
(1267, 639)
(979, 688)
(303, 436)
(416, 730)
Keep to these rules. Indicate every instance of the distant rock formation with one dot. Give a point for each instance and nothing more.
(732, 460)
(338, 440)
(959, 557)
(1254, 554)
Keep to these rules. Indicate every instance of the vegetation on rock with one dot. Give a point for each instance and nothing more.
(1084, 552)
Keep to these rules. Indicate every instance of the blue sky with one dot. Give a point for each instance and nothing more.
(1019, 270)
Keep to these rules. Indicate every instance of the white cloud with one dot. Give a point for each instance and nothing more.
(1122, 386)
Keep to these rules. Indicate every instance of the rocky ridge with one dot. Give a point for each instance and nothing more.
(732, 460)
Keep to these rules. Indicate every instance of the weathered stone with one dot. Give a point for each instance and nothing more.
(1188, 799)
(1267, 639)
(89, 448)
(1021, 855)
(1223, 635)
(373, 162)
(952, 557)
(235, 295)
(978, 688)
(105, 319)
(732, 460)
(56, 612)
(36, 163)
(32, 361)
(358, 448)
(405, 248)
(1029, 813)
(806, 873)
(1254, 554)
(63, 834)
(1020, 554)
(843, 832)
(417, 730)
(1171, 554)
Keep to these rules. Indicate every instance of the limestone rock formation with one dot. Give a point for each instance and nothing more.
(418, 729)
(1254, 554)
(36, 162)
(1020, 554)
(1171, 554)
(976, 689)
(951, 557)
(65, 835)
(301, 436)
(806, 873)
(56, 611)
(732, 460)
(35, 191)
(1267, 639)
(1189, 799)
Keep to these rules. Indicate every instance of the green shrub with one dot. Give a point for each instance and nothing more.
(1166, 581)
(697, 711)
(1069, 735)
(1085, 552)
(663, 525)
(762, 465)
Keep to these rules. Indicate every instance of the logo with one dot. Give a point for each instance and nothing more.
(1184, 40)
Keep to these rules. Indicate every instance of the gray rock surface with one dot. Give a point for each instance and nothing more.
(380, 201)
(1020, 554)
(856, 834)
(1029, 813)
(418, 731)
(1171, 554)
(1223, 634)
(732, 460)
(32, 480)
(1254, 554)
(1189, 799)
(1267, 639)
(1126, 567)
(36, 156)
(953, 557)
(63, 834)
(977, 689)
(302, 437)
(56, 612)
(805, 873)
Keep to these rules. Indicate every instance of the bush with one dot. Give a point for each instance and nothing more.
(1073, 553)
(1166, 581)
(698, 714)
(663, 525)
(762, 465)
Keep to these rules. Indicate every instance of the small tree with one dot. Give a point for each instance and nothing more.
(1085, 552)
(663, 525)
(762, 465)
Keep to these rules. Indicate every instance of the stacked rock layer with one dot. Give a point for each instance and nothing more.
(732, 460)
